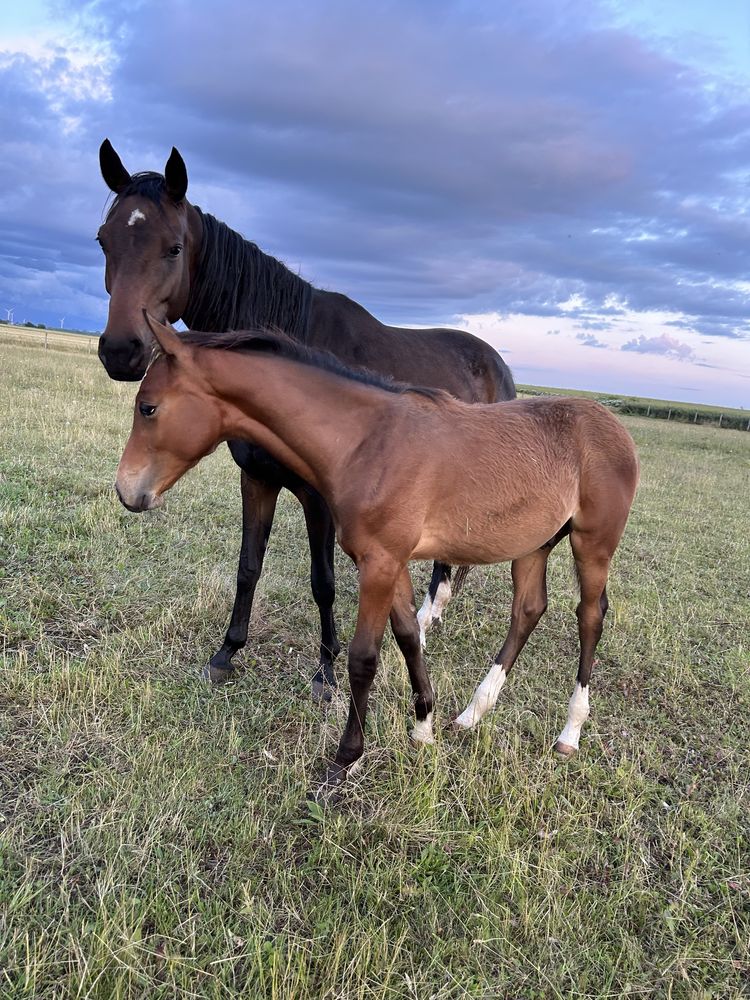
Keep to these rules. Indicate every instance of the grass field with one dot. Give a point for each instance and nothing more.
(154, 840)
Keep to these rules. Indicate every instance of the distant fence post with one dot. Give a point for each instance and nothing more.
(721, 417)
(669, 415)
(46, 345)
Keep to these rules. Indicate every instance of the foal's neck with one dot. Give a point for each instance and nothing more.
(309, 419)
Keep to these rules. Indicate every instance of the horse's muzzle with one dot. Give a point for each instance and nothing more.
(124, 361)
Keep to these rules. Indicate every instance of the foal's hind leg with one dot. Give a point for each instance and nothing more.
(406, 631)
(592, 558)
(529, 604)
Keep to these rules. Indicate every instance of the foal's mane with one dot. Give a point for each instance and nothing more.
(272, 342)
(236, 285)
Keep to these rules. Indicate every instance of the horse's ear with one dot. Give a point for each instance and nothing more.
(165, 336)
(114, 173)
(175, 174)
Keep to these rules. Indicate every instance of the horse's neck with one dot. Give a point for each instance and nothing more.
(309, 419)
(235, 286)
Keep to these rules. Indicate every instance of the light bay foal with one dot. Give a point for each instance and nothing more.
(500, 482)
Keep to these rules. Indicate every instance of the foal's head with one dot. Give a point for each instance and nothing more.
(151, 239)
(176, 422)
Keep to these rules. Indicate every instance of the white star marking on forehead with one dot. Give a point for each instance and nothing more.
(136, 216)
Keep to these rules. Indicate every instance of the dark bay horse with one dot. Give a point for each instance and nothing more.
(500, 482)
(165, 255)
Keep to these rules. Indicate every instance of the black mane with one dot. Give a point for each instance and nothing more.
(266, 341)
(147, 184)
(237, 286)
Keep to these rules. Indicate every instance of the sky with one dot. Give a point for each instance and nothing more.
(568, 179)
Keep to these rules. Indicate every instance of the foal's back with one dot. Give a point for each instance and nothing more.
(516, 472)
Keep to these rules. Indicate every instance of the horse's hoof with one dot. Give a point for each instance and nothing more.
(564, 750)
(216, 675)
(322, 693)
(328, 791)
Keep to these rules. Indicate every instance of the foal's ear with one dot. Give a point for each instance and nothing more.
(175, 174)
(114, 173)
(165, 336)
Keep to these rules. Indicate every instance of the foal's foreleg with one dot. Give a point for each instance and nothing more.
(529, 604)
(592, 563)
(321, 535)
(378, 577)
(258, 508)
(406, 632)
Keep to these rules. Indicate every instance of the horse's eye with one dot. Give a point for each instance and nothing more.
(175, 251)
(101, 245)
(146, 409)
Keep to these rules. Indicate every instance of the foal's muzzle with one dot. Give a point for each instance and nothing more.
(139, 501)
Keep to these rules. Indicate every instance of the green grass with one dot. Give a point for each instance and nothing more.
(730, 418)
(154, 840)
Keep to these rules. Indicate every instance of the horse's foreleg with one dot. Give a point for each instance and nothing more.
(529, 604)
(321, 536)
(407, 634)
(258, 508)
(378, 576)
(592, 562)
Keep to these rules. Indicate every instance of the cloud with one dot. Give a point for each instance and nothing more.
(665, 345)
(589, 340)
(426, 160)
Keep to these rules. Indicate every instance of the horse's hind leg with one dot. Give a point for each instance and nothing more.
(258, 508)
(321, 535)
(435, 600)
(529, 604)
(439, 592)
(406, 631)
(592, 556)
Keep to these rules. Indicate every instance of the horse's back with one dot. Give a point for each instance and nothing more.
(454, 360)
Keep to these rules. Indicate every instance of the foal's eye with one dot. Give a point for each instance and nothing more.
(174, 251)
(146, 409)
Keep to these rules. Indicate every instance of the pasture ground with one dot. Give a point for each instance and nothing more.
(154, 838)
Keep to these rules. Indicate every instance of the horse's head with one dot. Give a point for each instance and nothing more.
(151, 239)
(176, 421)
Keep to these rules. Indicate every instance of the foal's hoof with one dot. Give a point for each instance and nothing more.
(216, 675)
(321, 691)
(454, 728)
(564, 750)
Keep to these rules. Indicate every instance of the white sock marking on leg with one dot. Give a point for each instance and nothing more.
(484, 698)
(578, 712)
(422, 730)
(432, 611)
(424, 618)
